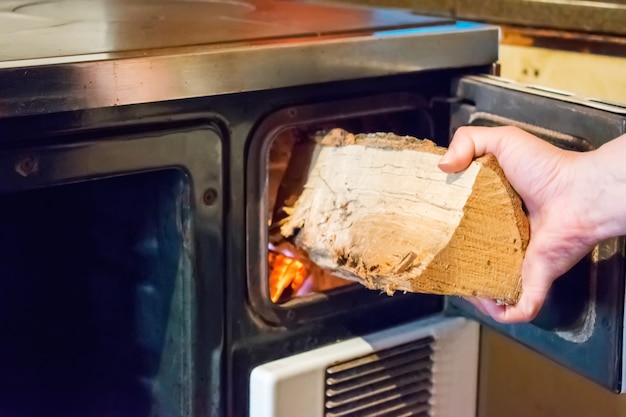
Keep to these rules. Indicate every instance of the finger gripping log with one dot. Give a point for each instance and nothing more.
(376, 208)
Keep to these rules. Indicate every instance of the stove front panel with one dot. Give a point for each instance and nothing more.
(140, 87)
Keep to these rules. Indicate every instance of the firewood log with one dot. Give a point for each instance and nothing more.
(375, 208)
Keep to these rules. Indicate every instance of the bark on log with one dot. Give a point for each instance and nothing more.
(376, 208)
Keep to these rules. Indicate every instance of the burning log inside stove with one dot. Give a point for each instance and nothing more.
(376, 209)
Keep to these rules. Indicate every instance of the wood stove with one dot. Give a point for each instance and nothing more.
(137, 197)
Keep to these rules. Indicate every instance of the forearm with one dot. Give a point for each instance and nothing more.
(607, 174)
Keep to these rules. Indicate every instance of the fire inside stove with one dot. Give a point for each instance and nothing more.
(291, 272)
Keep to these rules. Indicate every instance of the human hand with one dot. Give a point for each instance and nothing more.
(558, 191)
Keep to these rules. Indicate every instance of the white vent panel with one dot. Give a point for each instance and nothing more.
(390, 382)
(427, 368)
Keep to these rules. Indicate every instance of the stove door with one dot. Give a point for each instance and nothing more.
(581, 323)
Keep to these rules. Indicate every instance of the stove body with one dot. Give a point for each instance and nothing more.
(133, 180)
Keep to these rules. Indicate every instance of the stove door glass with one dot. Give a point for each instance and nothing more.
(101, 299)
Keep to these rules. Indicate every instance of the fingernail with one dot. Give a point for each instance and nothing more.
(446, 159)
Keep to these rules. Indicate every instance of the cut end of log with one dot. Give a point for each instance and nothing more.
(375, 208)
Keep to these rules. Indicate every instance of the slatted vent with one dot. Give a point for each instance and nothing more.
(394, 382)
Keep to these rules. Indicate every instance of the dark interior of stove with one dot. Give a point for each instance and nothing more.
(91, 321)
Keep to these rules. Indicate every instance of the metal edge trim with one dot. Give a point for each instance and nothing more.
(622, 356)
(84, 85)
(550, 93)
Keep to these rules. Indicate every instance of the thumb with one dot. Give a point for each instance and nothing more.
(537, 279)
(458, 156)
(470, 142)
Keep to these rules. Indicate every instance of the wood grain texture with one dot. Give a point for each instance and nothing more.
(376, 208)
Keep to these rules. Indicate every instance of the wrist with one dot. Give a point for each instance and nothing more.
(605, 172)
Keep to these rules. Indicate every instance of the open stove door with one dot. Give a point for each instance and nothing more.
(581, 325)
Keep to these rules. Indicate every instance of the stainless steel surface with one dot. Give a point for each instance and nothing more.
(70, 55)
(60, 28)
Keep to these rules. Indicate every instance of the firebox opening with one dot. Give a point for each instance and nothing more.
(92, 316)
(291, 273)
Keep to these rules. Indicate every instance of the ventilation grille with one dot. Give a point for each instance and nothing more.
(394, 382)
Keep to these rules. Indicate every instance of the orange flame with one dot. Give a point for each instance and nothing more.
(292, 273)
(285, 273)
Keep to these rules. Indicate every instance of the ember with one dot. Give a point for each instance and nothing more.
(292, 274)
(287, 275)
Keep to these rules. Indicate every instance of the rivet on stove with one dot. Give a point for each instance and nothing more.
(210, 196)
(27, 165)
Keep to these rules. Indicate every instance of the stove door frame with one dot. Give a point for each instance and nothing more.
(587, 338)
(318, 306)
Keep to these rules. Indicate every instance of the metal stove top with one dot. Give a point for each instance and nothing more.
(58, 28)
(65, 55)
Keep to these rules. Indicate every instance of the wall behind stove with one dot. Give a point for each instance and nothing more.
(589, 75)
